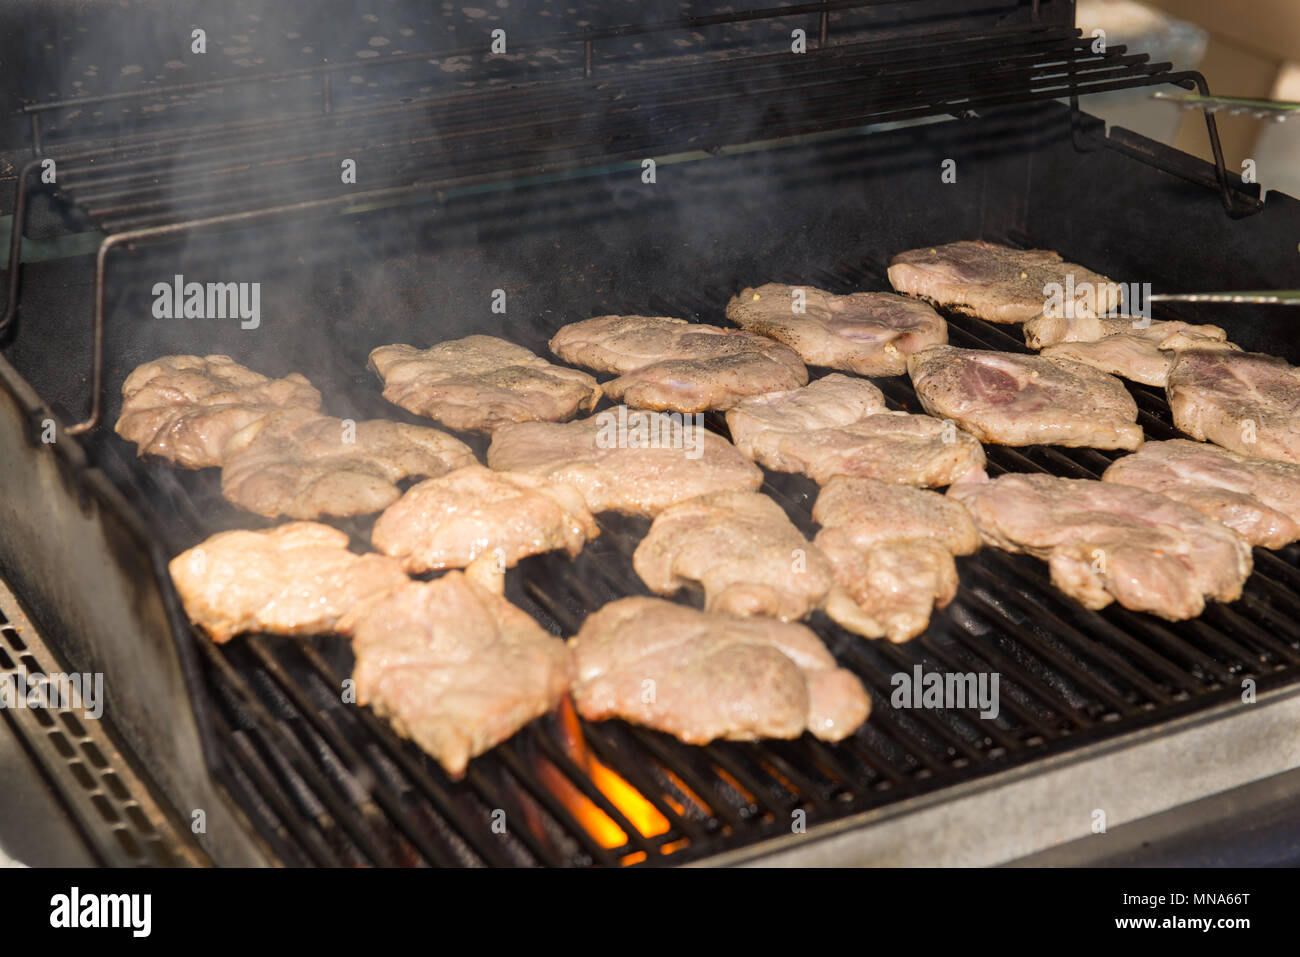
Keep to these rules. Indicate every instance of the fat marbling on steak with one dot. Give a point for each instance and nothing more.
(305, 465)
(749, 558)
(185, 408)
(892, 548)
(839, 425)
(628, 461)
(480, 382)
(1243, 401)
(704, 675)
(295, 579)
(1013, 399)
(480, 514)
(1258, 498)
(998, 283)
(453, 666)
(1106, 542)
(672, 364)
(869, 333)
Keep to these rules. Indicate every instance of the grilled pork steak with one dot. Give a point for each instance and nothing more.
(1044, 331)
(870, 333)
(454, 667)
(479, 382)
(750, 559)
(185, 408)
(306, 465)
(654, 462)
(1025, 400)
(481, 514)
(1244, 401)
(1104, 542)
(998, 283)
(295, 579)
(678, 365)
(1258, 498)
(1143, 355)
(892, 548)
(839, 425)
(702, 676)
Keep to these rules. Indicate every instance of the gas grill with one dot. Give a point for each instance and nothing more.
(525, 172)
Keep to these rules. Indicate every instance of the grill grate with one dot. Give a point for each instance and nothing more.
(329, 783)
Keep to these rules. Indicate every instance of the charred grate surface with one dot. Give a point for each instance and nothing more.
(326, 782)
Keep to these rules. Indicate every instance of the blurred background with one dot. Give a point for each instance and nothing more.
(1248, 48)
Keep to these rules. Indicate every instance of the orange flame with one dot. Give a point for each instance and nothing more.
(643, 815)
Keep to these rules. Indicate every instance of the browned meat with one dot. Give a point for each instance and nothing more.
(679, 365)
(479, 382)
(454, 667)
(750, 559)
(839, 425)
(186, 408)
(1244, 401)
(306, 465)
(892, 548)
(1048, 330)
(654, 462)
(295, 579)
(702, 676)
(1258, 498)
(997, 283)
(1104, 542)
(1025, 400)
(870, 333)
(477, 513)
(1134, 355)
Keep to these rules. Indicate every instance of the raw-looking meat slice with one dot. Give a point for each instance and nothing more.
(295, 579)
(998, 283)
(454, 667)
(674, 364)
(622, 460)
(480, 382)
(480, 514)
(186, 408)
(703, 675)
(892, 548)
(1013, 399)
(870, 333)
(1106, 542)
(1258, 498)
(749, 558)
(1044, 331)
(839, 425)
(1244, 401)
(305, 465)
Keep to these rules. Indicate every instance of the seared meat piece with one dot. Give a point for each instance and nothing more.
(1244, 401)
(294, 579)
(749, 557)
(185, 408)
(891, 547)
(839, 425)
(1045, 331)
(480, 514)
(454, 667)
(997, 283)
(1104, 542)
(1258, 498)
(306, 465)
(1139, 356)
(702, 676)
(1025, 400)
(870, 333)
(641, 469)
(479, 382)
(679, 365)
